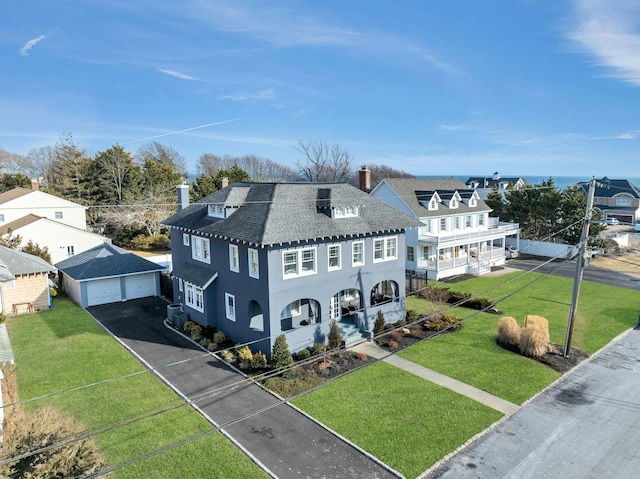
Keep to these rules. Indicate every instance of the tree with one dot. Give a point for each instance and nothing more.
(40, 163)
(322, 162)
(495, 201)
(13, 162)
(378, 173)
(117, 174)
(36, 250)
(164, 155)
(71, 175)
(335, 336)
(378, 325)
(9, 181)
(280, 355)
(10, 241)
(204, 185)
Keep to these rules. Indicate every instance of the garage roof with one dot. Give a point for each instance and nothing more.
(104, 261)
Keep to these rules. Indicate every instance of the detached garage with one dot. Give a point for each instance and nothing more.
(108, 274)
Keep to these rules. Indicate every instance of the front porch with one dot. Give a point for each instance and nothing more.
(473, 259)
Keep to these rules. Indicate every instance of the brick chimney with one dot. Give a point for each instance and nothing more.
(183, 197)
(364, 175)
(35, 185)
(225, 182)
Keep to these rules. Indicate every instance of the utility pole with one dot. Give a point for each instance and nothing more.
(582, 248)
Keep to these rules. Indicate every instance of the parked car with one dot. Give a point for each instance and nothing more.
(636, 227)
(613, 221)
(511, 252)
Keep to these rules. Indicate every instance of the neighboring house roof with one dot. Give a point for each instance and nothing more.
(31, 218)
(195, 274)
(413, 191)
(490, 182)
(280, 213)
(19, 192)
(14, 263)
(607, 188)
(103, 261)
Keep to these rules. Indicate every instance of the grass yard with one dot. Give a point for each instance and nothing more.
(405, 421)
(65, 348)
(471, 354)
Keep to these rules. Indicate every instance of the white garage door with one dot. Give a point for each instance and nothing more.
(103, 291)
(140, 285)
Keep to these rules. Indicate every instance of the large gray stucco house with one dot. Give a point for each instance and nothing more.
(256, 260)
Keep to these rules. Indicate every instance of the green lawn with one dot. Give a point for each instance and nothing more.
(65, 348)
(471, 354)
(405, 421)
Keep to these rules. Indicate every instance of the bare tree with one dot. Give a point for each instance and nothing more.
(379, 173)
(41, 161)
(145, 212)
(259, 169)
(322, 162)
(162, 154)
(13, 163)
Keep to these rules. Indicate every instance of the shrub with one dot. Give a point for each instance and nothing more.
(378, 325)
(393, 344)
(416, 331)
(362, 356)
(245, 357)
(435, 295)
(228, 356)
(27, 429)
(188, 324)
(399, 323)
(280, 355)
(220, 338)
(411, 315)
(259, 360)
(318, 348)
(442, 321)
(534, 337)
(196, 330)
(397, 335)
(212, 346)
(508, 331)
(205, 342)
(335, 336)
(303, 354)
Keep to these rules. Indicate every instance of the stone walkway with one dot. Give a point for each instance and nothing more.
(483, 397)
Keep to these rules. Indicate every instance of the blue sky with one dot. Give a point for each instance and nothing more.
(430, 87)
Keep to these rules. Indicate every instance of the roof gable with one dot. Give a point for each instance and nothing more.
(17, 262)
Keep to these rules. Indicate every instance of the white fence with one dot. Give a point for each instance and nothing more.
(543, 248)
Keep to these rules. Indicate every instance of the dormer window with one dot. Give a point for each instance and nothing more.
(433, 205)
(472, 202)
(453, 204)
(221, 211)
(345, 212)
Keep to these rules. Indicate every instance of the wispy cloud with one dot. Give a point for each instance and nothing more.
(176, 74)
(452, 127)
(610, 33)
(244, 96)
(24, 51)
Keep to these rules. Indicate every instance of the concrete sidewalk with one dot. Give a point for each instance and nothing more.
(483, 397)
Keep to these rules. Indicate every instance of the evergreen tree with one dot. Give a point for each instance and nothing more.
(335, 337)
(36, 250)
(378, 325)
(280, 354)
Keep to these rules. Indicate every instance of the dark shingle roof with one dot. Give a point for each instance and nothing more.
(607, 188)
(13, 263)
(412, 190)
(280, 213)
(103, 261)
(490, 182)
(194, 274)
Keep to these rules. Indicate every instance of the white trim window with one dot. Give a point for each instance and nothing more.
(58, 215)
(443, 224)
(467, 221)
(200, 249)
(345, 211)
(385, 249)
(254, 265)
(230, 306)
(357, 253)
(71, 250)
(299, 262)
(456, 223)
(193, 297)
(333, 254)
(480, 219)
(185, 239)
(233, 258)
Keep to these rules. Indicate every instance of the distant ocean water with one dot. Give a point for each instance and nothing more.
(560, 181)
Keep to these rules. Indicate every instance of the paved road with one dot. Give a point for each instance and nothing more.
(567, 269)
(286, 442)
(587, 425)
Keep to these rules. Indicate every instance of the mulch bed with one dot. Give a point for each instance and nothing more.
(554, 357)
(333, 364)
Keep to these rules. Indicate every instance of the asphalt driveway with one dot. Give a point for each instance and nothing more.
(284, 441)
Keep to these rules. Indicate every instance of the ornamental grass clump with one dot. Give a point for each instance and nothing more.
(534, 337)
(508, 331)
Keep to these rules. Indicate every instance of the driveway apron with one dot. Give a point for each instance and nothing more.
(285, 441)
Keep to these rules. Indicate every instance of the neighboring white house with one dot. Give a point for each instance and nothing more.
(19, 202)
(61, 240)
(458, 236)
